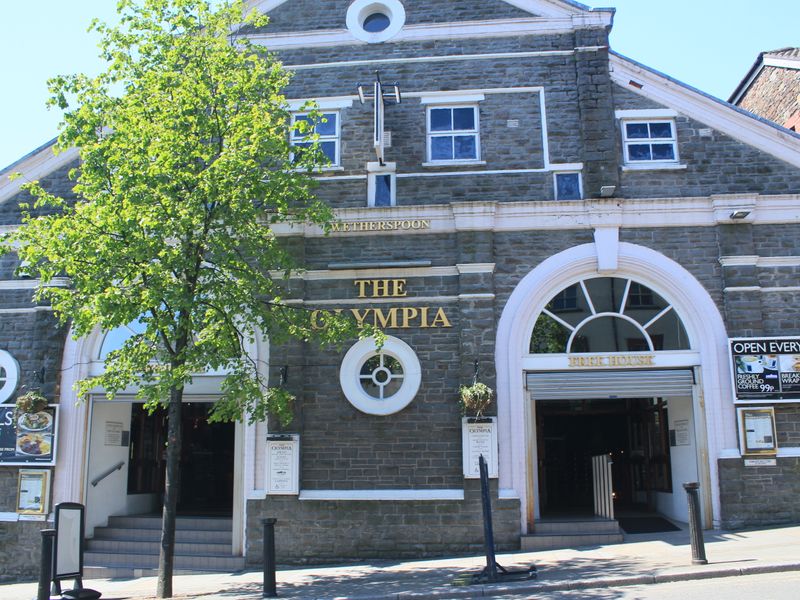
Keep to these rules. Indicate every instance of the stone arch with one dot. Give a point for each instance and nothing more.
(697, 310)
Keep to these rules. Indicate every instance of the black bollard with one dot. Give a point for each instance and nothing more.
(46, 565)
(270, 589)
(695, 527)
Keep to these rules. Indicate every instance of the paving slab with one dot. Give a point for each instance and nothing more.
(641, 559)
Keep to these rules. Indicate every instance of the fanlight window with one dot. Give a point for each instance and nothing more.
(607, 314)
(115, 338)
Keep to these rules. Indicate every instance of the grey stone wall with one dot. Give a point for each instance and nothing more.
(318, 532)
(310, 15)
(715, 163)
(755, 496)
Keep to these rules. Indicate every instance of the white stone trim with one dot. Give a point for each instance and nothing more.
(361, 9)
(351, 367)
(427, 59)
(375, 301)
(381, 495)
(707, 211)
(323, 103)
(760, 261)
(791, 452)
(33, 168)
(700, 316)
(32, 284)
(33, 309)
(453, 97)
(475, 268)
(742, 289)
(741, 126)
(654, 166)
(433, 31)
(646, 113)
(476, 296)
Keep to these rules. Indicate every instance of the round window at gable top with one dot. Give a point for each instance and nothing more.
(375, 21)
(380, 381)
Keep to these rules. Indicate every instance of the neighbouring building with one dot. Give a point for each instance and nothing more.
(771, 88)
(616, 254)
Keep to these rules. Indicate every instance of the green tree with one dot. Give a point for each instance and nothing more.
(185, 164)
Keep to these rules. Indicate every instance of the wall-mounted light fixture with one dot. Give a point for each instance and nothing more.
(607, 191)
(739, 214)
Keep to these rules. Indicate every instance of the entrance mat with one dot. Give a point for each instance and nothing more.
(646, 525)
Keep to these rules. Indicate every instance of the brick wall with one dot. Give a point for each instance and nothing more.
(774, 95)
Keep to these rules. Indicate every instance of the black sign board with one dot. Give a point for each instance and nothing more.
(766, 369)
(28, 440)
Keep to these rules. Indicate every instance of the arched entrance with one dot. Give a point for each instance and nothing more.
(714, 423)
(80, 430)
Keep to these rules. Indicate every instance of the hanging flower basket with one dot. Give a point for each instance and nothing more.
(30, 403)
(475, 399)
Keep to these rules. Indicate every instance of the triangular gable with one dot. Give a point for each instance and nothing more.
(425, 20)
(542, 8)
(730, 120)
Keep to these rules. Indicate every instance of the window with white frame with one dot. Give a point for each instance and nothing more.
(326, 127)
(453, 133)
(649, 141)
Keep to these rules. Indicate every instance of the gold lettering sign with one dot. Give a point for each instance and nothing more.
(406, 317)
(602, 361)
(359, 226)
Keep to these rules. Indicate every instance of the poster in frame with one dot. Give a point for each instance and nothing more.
(28, 440)
(33, 492)
(757, 431)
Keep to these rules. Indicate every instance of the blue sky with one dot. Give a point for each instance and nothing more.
(709, 44)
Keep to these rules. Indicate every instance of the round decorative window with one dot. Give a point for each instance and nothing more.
(9, 375)
(380, 382)
(375, 20)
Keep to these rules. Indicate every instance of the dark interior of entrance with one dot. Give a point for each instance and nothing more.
(206, 459)
(633, 431)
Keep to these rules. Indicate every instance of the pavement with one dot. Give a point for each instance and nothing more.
(641, 559)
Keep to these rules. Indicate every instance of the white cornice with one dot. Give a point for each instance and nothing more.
(434, 31)
(782, 62)
(723, 117)
(33, 168)
(704, 211)
(760, 261)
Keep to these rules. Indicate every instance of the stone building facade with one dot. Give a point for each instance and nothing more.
(577, 231)
(771, 89)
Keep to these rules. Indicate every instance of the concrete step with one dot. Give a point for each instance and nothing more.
(181, 523)
(153, 547)
(537, 542)
(209, 563)
(131, 572)
(154, 535)
(573, 526)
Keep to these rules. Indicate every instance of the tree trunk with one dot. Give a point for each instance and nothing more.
(171, 492)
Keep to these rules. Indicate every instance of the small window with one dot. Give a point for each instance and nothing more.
(568, 186)
(328, 130)
(376, 22)
(650, 141)
(380, 381)
(453, 134)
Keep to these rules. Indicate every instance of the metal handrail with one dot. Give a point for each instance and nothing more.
(107, 472)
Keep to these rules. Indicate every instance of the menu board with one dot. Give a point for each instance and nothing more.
(28, 439)
(766, 369)
(283, 461)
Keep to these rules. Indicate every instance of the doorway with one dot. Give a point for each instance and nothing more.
(634, 431)
(206, 464)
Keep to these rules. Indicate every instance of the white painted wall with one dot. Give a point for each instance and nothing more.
(684, 463)
(110, 497)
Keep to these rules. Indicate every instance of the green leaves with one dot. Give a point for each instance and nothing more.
(185, 164)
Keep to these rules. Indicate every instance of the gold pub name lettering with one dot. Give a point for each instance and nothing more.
(398, 317)
(612, 361)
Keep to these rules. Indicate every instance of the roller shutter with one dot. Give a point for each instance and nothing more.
(584, 385)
